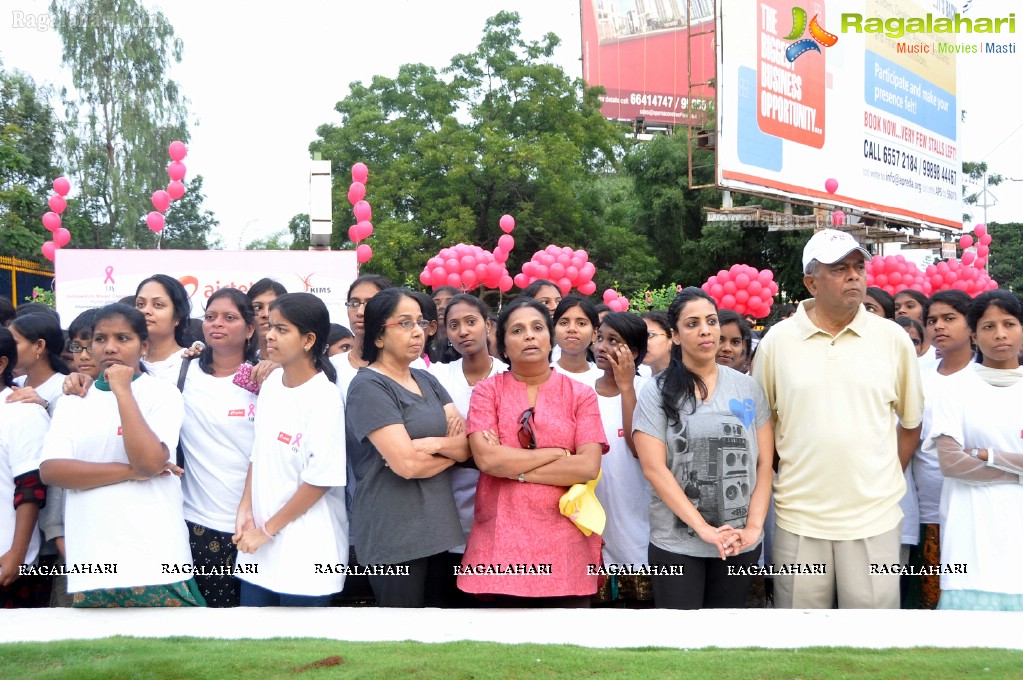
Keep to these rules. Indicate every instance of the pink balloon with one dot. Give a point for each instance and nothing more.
(980, 262)
(161, 200)
(453, 265)
(57, 203)
(506, 242)
(838, 218)
(521, 280)
(755, 287)
(557, 271)
(365, 229)
(176, 171)
(362, 211)
(765, 276)
(505, 283)
(979, 229)
(588, 288)
(363, 253)
(541, 271)
(529, 268)
(468, 263)
(742, 281)
(501, 255)
(356, 192)
(831, 185)
(587, 271)
(482, 272)
(176, 190)
(425, 277)
(61, 237)
(717, 291)
(440, 276)
(610, 294)
(62, 186)
(507, 224)
(741, 296)
(983, 251)
(353, 234)
(969, 256)
(728, 302)
(965, 241)
(360, 173)
(881, 280)
(564, 285)
(49, 250)
(730, 287)
(754, 302)
(572, 274)
(469, 278)
(155, 221)
(177, 151)
(985, 239)
(51, 221)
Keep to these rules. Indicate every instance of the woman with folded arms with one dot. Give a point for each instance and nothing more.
(975, 432)
(112, 452)
(216, 439)
(534, 432)
(405, 435)
(291, 517)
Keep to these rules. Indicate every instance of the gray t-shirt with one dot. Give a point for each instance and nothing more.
(398, 519)
(712, 453)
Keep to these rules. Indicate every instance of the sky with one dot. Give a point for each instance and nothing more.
(262, 76)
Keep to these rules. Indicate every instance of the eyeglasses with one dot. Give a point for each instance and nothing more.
(651, 335)
(355, 304)
(409, 324)
(527, 438)
(75, 348)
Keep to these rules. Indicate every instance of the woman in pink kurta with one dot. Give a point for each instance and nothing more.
(533, 433)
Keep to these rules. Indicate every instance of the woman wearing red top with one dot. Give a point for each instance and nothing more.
(533, 433)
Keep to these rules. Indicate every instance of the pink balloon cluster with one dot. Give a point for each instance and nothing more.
(161, 198)
(51, 219)
(967, 274)
(894, 273)
(615, 300)
(363, 227)
(744, 289)
(465, 267)
(565, 267)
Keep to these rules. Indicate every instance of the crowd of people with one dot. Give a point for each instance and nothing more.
(859, 453)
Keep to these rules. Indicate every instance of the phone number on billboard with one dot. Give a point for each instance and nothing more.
(667, 101)
(907, 161)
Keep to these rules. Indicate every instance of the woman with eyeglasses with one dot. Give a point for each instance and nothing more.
(623, 490)
(347, 364)
(658, 343)
(704, 437)
(404, 436)
(261, 294)
(534, 432)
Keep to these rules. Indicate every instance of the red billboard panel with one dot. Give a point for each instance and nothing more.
(637, 51)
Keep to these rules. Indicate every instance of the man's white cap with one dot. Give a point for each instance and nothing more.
(828, 246)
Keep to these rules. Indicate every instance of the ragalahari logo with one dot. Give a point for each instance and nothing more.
(804, 45)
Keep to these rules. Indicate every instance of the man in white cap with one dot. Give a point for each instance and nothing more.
(844, 390)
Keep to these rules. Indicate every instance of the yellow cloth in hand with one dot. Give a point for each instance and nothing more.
(580, 505)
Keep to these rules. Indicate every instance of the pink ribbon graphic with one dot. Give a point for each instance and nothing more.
(110, 275)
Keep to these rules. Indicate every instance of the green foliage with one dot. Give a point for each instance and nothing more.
(1005, 264)
(654, 298)
(44, 296)
(126, 112)
(189, 226)
(279, 240)
(27, 128)
(501, 130)
(974, 174)
(298, 230)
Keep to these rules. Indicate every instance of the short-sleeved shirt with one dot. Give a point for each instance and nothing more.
(521, 523)
(712, 452)
(399, 519)
(836, 401)
(137, 525)
(22, 428)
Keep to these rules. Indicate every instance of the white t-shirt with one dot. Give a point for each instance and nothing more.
(926, 472)
(217, 437)
(300, 437)
(588, 377)
(51, 390)
(463, 479)
(22, 428)
(980, 523)
(137, 526)
(168, 369)
(623, 490)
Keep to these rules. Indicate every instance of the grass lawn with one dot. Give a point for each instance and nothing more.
(125, 657)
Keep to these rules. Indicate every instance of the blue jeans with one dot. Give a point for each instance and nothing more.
(255, 596)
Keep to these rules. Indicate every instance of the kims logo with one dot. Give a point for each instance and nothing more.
(309, 287)
(817, 33)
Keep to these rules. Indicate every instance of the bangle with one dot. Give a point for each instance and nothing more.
(268, 534)
(567, 453)
(972, 453)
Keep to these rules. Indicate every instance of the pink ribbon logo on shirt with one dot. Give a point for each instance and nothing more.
(252, 412)
(298, 441)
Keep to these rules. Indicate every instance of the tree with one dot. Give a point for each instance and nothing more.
(188, 226)
(27, 127)
(298, 229)
(125, 113)
(501, 130)
(976, 173)
(279, 240)
(1006, 262)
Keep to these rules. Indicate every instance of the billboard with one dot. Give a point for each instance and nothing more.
(814, 90)
(85, 279)
(636, 50)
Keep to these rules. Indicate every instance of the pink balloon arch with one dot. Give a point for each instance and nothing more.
(744, 289)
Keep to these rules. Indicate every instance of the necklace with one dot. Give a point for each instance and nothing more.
(472, 381)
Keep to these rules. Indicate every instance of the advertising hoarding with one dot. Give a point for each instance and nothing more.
(636, 50)
(86, 279)
(803, 99)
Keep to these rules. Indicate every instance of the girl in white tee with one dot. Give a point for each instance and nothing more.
(291, 526)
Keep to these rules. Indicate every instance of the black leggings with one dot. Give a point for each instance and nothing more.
(706, 583)
(425, 585)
